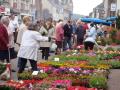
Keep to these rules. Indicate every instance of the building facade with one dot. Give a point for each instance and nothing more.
(110, 7)
(118, 7)
(56, 9)
(21, 7)
(39, 9)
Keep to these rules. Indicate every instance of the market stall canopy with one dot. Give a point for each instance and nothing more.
(96, 21)
(111, 18)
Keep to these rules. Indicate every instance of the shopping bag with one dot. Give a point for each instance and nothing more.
(53, 47)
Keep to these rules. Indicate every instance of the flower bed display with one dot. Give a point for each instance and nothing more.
(70, 71)
(62, 75)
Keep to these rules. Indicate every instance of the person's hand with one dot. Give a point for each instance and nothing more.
(52, 37)
(43, 34)
(8, 45)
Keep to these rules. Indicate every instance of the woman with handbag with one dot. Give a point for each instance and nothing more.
(46, 30)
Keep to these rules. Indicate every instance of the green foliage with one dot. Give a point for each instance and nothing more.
(113, 34)
(25, 75)
(118, 22)
(2, 68)
(28, 76)
(115, 64)
(110, 49)
(5, 88)
(98, 82)
(40, 76)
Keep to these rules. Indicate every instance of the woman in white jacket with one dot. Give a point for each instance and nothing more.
(29, 48)
(90, 39)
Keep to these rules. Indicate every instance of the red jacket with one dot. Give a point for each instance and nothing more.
(4, 40)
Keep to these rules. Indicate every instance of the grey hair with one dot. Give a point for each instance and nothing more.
(4, 19)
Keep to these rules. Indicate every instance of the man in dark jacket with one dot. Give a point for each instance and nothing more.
(68, 31)
(4, 41)
(80, 32)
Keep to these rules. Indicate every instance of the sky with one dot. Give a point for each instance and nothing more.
(84, 7)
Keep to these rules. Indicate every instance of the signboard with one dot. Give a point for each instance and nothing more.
(113, 7)
(7, 11)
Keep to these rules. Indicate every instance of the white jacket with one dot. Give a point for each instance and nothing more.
(91, 35)
(30, 44)
(22, 28)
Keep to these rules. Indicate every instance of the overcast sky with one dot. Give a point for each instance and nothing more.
(84, 7)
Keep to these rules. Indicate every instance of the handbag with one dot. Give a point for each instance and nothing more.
(53, 47)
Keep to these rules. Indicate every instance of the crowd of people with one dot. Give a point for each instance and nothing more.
(32, 37)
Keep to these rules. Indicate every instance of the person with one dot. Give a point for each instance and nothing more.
(23, 28)
(100, 32)
(90, 39)
(38, 25)
(29, 47)
(46, 30)
(4, 42)
(74, 25)
(68, 31)
(80, 32)
(13, 25)
(85, 26)
(5, 21)
(59, 36)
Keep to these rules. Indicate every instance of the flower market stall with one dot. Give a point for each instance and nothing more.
(72, 70)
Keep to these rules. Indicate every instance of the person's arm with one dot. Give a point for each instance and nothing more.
(39, 37)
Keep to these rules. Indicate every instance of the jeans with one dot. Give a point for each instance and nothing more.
(67, 41)
(23, 63)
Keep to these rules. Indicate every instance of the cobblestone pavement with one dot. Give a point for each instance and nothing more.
(114, 80)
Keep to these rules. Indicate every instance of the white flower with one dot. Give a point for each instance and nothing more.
(71, 69)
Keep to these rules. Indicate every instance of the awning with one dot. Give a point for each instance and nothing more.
(96, 21)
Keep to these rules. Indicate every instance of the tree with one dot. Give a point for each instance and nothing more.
(118, 22)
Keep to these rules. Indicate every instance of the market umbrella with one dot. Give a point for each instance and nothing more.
(96, 21)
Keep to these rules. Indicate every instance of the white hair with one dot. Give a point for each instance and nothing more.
(4, 19)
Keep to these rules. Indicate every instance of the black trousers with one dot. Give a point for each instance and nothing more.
(45, 52)
(23, 63)
(80, 41)
(89, 45)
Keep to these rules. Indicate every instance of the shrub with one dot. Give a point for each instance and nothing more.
(98, 82)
